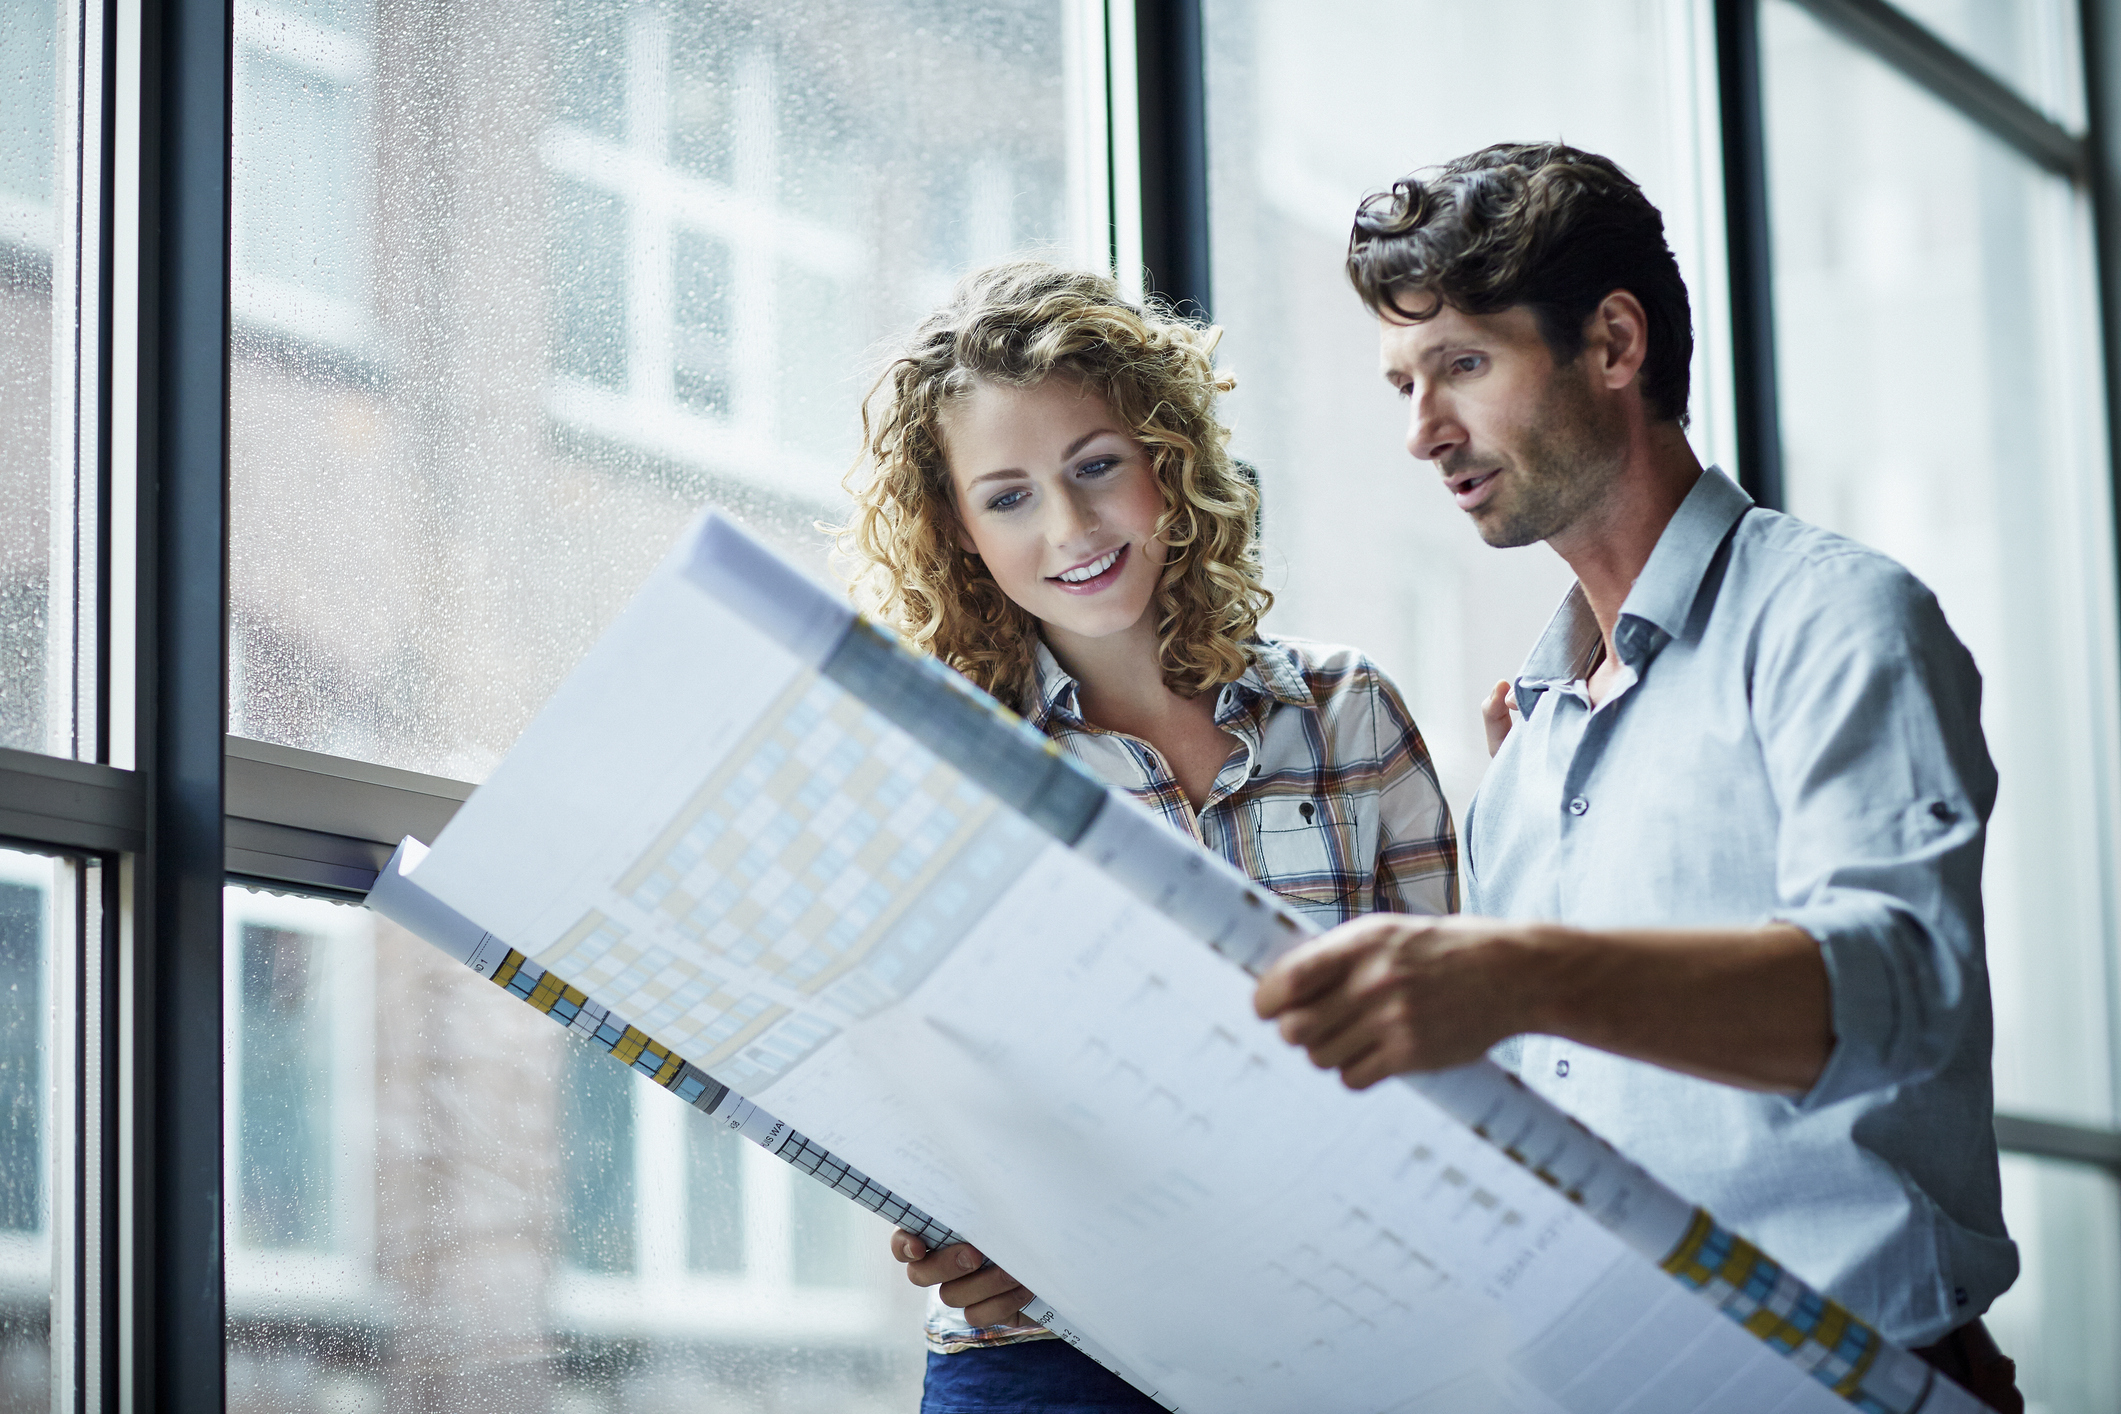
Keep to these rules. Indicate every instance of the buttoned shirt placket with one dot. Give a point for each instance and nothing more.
(1241, 709)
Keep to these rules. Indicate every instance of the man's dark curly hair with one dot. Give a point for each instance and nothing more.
(1528, 223)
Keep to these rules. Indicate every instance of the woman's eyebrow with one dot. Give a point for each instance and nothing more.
(1078, 443)
(1073, 447)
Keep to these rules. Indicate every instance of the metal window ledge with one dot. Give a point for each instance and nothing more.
(295, 818)
(2054, 1139)
(48, 802)
(323, 822)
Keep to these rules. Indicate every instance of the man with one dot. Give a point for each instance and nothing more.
(1724, 873)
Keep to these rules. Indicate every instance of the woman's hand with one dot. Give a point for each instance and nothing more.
(1498, 715)
(987, 1295)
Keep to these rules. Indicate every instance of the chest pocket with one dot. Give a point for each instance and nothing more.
(1308, 854)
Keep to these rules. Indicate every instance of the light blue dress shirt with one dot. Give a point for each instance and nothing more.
(1795, 735)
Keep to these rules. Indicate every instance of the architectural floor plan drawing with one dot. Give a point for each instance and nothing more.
(857, 913)
(819, 871)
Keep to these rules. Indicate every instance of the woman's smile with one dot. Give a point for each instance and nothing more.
(1092, 575)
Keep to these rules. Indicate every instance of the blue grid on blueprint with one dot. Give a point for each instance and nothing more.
(801, 850)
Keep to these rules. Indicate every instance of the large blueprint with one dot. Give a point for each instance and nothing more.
(825, 892)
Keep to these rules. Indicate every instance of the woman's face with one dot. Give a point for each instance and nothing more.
(1060, 501)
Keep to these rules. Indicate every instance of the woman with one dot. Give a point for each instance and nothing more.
(1046, 502)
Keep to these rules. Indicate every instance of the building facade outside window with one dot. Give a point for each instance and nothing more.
(518, 292)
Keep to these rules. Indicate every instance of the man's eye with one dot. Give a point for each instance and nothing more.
(1466, 363)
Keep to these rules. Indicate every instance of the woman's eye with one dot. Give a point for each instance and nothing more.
(1097, 467)
(1008, 501)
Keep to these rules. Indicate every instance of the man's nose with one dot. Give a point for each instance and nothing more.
(1431, 431)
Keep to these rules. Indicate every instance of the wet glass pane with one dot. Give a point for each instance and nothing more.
(826, 1229)
(28, 897)
(34, 704)
(588, 282)
(1363, 545)
(521, 288)
(440, 1201)
(283, 1073)
(1940, 400)
(596, 1163)
(2058, 1322)
(714, 1202)
(2035, 46)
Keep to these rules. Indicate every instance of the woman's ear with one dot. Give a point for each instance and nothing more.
(964, 538)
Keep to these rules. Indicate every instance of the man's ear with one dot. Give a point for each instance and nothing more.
(1618, 334)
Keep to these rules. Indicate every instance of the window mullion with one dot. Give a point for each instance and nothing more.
(1907, 45)
(172, 1322)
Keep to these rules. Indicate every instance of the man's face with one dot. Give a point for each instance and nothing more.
(1525, 445)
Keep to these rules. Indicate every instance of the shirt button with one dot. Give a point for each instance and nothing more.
(1561, 1067)
(1578, 805)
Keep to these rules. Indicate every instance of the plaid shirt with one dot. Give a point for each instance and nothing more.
(1330, 801)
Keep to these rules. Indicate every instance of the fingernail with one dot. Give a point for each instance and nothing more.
(966, 1261)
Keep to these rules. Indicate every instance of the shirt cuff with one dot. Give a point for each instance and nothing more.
(1857, 944)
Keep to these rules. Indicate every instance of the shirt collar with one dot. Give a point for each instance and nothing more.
(1656, 607)
(1274, 671)
(1053, 689)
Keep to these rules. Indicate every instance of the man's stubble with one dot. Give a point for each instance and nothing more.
(1568, 459)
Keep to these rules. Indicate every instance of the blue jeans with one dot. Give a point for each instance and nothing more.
(1033, 1377)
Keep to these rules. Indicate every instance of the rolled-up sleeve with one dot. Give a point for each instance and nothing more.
(1868, 710)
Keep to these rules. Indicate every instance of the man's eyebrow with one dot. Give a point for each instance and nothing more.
(1432, 354)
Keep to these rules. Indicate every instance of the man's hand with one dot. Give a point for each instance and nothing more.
(988, 1296)
(1498, 715)
(1391, 993)
(1394, 992)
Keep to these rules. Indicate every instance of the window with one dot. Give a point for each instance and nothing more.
(661, 1211)
(2057, 1321)
(1363, 547)
(581, 212)
(422, 1168)
(38, 487)
(1940, 398)
(519, 290)
(2033, 45)
(303, 150)
(299, 1009)
(28, 886)
(1938, 360)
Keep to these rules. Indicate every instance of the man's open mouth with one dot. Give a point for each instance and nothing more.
(1470, 491)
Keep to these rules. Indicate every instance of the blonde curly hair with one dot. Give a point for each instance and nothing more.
(1017, 324)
